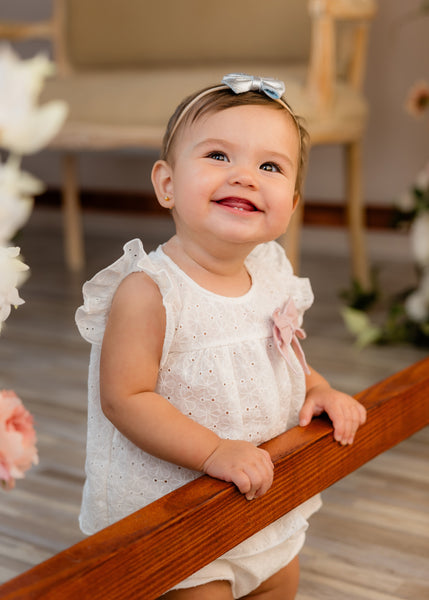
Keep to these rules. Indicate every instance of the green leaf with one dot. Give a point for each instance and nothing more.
(360, 325)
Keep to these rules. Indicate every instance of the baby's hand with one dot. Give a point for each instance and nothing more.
(346, 413)
(249, 467)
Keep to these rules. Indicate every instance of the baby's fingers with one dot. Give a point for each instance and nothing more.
(358, 419)
(266, 479)
(257, 474)
(248, 467)
(348, 422)
(252, 481)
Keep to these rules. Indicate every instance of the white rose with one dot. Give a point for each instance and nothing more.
(12, 274)
(422, 180)
(25, 127)
(417, 303)
(16, 198)
(416, 307)
(419, 239)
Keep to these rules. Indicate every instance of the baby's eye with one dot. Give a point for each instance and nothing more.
(216, 155)
(270, 166)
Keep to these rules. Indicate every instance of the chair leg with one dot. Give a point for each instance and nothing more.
(73, 230)
(292, 238)
(355, 215)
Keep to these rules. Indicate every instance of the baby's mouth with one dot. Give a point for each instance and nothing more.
(238, 204)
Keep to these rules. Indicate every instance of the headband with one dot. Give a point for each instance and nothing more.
(240, 83)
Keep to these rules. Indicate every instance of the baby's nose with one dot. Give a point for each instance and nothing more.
(242, 175)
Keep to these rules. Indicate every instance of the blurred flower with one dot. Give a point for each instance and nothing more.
(414, 201)
(17, 439)
(408, 313)
(12, 275)
(419, 239)
(405, 202)
(26, 127)
(17, 189)
(422, 179)
(418, 99)
(417, 303)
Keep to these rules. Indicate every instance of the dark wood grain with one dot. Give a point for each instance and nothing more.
(146, 553)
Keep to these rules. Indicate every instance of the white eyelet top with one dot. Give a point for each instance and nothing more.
(219, 366)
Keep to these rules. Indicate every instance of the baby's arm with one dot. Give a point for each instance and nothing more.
(130, 357)
(346, 413)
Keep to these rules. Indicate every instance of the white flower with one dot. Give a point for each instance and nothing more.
(419, 239)
(422, 179)
(12, 275)
(24, 126)
(406, 202)
(17, 189)
(417, 303)
(415, 307)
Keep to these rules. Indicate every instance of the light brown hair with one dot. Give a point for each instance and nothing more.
(216, 99)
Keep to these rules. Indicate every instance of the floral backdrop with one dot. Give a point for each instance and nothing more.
(25, 128)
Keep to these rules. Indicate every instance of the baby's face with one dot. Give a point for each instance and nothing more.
(234, 175)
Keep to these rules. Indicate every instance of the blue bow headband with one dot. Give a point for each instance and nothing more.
(240, 83)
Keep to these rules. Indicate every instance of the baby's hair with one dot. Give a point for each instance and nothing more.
(218, 98)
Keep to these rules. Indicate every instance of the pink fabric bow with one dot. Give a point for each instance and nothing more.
(286, 333)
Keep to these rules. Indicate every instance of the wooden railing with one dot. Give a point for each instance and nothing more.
(146, 553)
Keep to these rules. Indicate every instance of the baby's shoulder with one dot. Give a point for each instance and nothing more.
(138, 292)
(136, 313)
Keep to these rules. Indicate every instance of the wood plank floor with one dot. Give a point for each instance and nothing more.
(370, 541)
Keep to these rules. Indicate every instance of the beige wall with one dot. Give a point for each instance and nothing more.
(396, 145)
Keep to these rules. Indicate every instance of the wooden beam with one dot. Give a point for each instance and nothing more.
(148, 552)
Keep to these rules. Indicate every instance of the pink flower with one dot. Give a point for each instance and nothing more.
(17, 439)
(286, 332)
(418, 99)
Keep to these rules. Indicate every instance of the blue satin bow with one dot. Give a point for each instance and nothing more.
(240, 82)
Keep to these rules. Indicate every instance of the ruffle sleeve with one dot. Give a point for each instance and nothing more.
(273, 263)
(98, 292)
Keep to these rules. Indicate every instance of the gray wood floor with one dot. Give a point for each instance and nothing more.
(370, 541)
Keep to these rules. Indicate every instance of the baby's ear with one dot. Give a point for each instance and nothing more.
(162, 182)
(296, 199)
